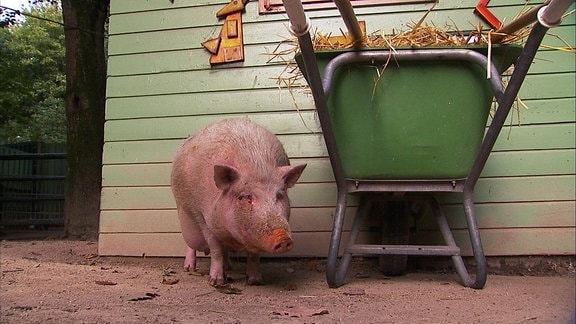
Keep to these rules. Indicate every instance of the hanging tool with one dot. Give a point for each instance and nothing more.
(517, 24)
(354, 29)
(483, 11)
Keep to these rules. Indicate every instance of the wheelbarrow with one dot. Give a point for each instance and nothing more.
(386, 146)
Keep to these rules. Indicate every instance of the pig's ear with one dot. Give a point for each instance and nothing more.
(225, 176)
(291, 174)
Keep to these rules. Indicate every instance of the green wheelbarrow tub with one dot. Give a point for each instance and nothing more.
(413, 119)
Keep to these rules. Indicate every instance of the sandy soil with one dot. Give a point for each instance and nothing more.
(66, 282)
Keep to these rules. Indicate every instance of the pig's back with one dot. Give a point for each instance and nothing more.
(240, 143)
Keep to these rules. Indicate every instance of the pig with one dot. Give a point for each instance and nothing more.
(230, 183)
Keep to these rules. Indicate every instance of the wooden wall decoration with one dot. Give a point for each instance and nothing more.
(229, 45)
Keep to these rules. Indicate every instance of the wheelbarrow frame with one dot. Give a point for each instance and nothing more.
(320, 88)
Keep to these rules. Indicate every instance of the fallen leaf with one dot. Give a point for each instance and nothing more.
(90, 256)
(195, 273)
(290, 287)
(361, 275)
(355, 292)
(13, 270)
(105, 283)
(148, 296)
(228, 289)
(302, 312)
(315, 265)
(320, 312)
(168, 273)
(170, 281)
(24, 308)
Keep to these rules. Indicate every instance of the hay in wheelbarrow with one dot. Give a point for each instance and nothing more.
(418, 35)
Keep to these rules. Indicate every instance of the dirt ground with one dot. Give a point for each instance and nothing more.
(66, 282)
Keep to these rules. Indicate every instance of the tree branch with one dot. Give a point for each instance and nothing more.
(18, 12)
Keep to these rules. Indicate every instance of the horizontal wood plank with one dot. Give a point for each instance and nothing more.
(505, 242)
(306, 219)
(534, 137)
(158, 174)
(206, 103)
(190, 37)
(522, 189)
(281, 123)
(157, 151)
(275, 100)
(136, 19)
(496, 242)
(256, 55)
(535, 86)
(542, 111)
(545, 86)
(510, 215)
(530, 163)
(500, 164)
(194, 81)
(172, 244)
(401, 15)
(166, 220)
(291, 122)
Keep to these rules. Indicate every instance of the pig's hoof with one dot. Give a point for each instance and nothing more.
(190, 268)
(254, 281)
(217, 282)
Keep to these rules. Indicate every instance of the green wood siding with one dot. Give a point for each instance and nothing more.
(161, 89)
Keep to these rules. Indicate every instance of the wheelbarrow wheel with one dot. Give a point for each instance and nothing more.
(395, 231)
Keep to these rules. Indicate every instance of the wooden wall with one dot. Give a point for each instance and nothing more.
(161, 88)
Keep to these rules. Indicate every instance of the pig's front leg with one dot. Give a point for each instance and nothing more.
(218, 259)
(190, 260)
(253, 274)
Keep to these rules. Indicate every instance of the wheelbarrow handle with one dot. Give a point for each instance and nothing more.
(299, 23)
(551, 15)
(526, 19)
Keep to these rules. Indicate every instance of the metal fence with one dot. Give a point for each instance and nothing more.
(32, 183)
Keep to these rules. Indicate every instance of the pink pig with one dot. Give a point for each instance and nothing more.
(230, 182)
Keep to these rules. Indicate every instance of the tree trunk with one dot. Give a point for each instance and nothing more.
(85, 102)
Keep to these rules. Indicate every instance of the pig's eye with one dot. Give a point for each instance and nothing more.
(280, 195)
(247, 198)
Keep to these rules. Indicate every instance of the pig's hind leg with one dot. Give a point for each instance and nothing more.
(193, 237)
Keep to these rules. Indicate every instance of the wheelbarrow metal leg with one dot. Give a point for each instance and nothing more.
(477, 249)
(481, 273)
(336, 274)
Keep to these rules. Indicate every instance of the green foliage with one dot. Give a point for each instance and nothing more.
(33, 82)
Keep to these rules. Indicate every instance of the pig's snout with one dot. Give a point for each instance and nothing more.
(279, 241)
(283, 246)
